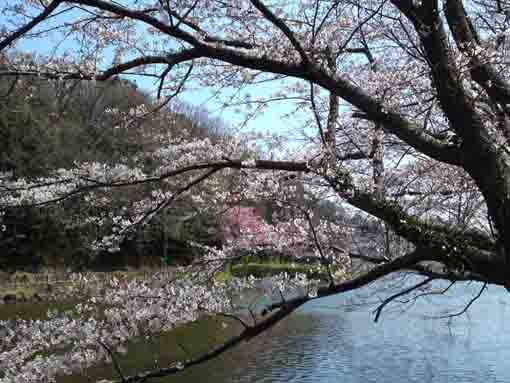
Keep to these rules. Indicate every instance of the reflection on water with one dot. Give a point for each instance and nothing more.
(326, 342)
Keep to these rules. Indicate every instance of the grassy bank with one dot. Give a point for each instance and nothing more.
(33, 287)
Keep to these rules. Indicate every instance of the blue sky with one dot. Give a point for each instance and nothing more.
(270, 120)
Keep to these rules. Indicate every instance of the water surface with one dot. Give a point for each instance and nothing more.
(331, 340)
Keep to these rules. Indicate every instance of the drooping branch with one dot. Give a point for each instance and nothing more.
(468, 305)
(388, 300)
(244, 336)
(89, 184)
(279, 311)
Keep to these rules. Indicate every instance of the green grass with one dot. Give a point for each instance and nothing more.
(223, 276)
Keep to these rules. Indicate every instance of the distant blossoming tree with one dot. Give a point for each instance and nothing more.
(245, 223)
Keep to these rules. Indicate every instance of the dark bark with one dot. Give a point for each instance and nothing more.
(476, 152)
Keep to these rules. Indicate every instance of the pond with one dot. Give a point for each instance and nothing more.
(335, 339)
(331, 340)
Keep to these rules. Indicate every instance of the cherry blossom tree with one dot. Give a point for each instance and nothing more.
(406, 120)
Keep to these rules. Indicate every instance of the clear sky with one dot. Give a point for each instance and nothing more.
(271, 120)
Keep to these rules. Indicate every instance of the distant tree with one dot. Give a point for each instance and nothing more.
(47, 125)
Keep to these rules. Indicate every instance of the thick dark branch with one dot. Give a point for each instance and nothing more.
(401, 263)
(352, 156)
(281, 310)
(392, 121)
(32, 24)
(245, 335)
(468, 43)
(452, 96)
(91, 184)
(469, 251)
(170, 59)
(432, 270)
(229, 43)
(415, 230)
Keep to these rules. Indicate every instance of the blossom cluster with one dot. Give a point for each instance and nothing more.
(69, 342)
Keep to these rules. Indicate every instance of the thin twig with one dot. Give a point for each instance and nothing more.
(379, 309)
(466, 308)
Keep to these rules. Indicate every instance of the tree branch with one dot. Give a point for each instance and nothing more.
(116, 364)
(379, 309)
(468, 41)
(466, 308)
(280, 24)
(245, 335)
(170, 59)
(32, 24)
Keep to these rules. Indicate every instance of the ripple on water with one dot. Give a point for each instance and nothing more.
(325, 342)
